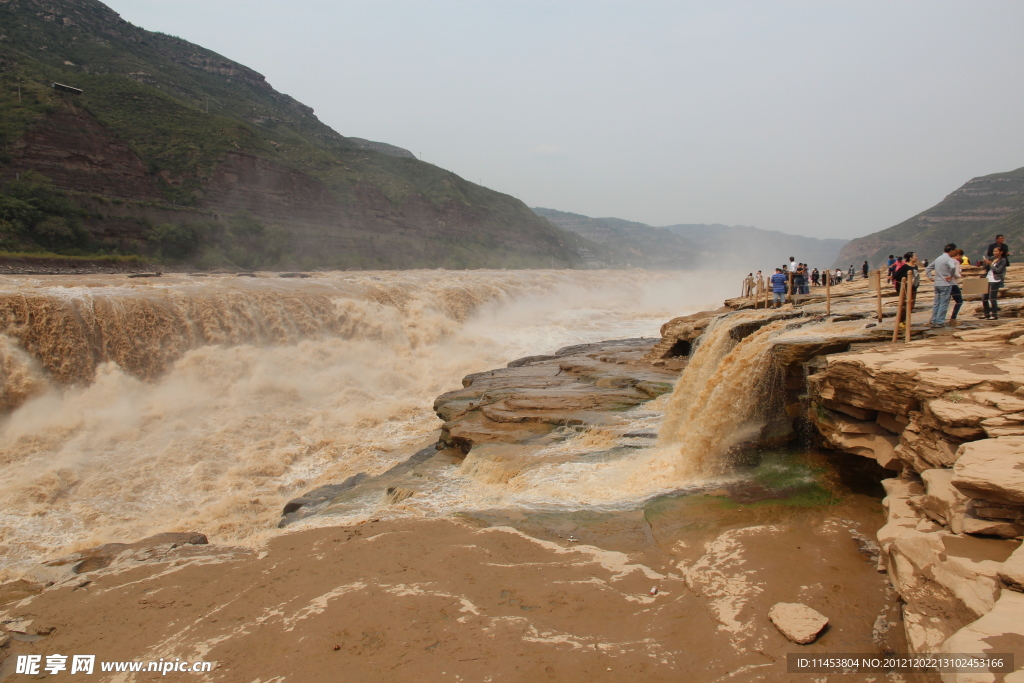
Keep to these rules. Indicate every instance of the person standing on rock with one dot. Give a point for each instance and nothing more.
(942, 270)
(897, 262)
(955, 294)
(995, 273)
(791, 272)
(778, 282)
(907, 270)
(890, 265)
(1001, 244)
(915, 279)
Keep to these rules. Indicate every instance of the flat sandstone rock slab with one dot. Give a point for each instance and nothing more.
(797, 621)
(992, 469)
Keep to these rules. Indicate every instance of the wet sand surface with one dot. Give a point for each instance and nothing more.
(496, 596)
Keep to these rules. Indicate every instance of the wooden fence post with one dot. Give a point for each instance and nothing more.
(910, 303)
(899, 312)
(878, 294)
(828, 294)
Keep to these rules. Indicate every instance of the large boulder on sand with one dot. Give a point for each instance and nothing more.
(797, 621)
(992, 469)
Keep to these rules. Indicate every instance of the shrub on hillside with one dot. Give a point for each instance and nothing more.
(175, 242)
(35, 215)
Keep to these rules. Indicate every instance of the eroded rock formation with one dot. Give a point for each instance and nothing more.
(948, 414)
(578, 385)
(945, 414)
(677, 338)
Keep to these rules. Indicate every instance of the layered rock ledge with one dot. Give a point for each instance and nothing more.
(945, 413)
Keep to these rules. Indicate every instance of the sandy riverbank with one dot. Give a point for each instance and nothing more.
(485, 598)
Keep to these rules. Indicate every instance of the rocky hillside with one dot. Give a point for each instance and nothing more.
(173, 151)
(970, 217)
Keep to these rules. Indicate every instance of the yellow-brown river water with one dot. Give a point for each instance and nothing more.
(135, 406)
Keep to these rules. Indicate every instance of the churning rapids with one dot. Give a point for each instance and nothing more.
(133, 407)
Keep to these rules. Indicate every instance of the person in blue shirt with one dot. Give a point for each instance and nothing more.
(943, 270)
(778, 281)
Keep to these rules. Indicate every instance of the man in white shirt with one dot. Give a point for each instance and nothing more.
(943, 271)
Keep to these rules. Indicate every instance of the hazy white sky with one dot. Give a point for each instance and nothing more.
(829, 119)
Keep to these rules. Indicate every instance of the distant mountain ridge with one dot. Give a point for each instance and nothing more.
(970, 217)
(629, 243)
(696, 245)
(173, 149)
(759, 249)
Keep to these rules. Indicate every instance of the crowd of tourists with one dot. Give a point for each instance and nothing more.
(946, 272)
(797, 279)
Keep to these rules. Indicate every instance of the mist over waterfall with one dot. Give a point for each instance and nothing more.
(205, 403)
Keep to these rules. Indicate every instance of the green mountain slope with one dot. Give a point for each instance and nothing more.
(195, 137)
(970, 217)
